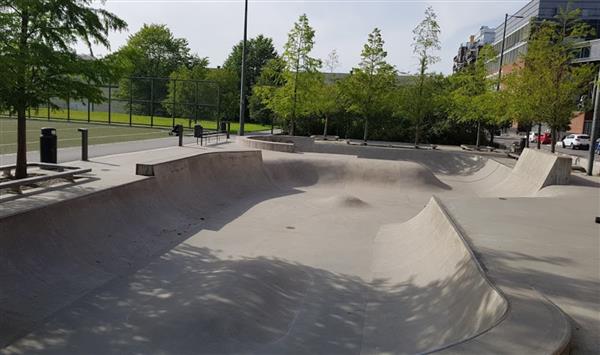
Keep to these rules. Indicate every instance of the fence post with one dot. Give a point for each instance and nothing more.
(151, 102)
(88, 109)
(109, 101)
(174, 100)
(130, 99)
(68, 107)
(196, 103)
(48, 109)
(218, 106)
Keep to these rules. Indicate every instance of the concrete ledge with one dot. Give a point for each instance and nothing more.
(274, 143)
(582, 163)
(171, 165)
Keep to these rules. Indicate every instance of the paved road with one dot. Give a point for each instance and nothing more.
(581, 153)
(98, 150)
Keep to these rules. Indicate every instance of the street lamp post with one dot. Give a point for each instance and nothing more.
(506, 16)
(243, 75)
(593, 136)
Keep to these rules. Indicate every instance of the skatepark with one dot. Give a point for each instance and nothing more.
(296, 246)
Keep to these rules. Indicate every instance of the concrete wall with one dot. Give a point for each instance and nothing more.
(268, 143)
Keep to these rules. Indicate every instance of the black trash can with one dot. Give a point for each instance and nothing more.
(48, 145)
(522, 144)
(198, 131)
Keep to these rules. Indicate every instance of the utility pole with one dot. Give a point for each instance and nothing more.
(243, 76)
(593, 134)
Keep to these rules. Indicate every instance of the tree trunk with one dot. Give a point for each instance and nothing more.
(478, 134)
(539, 141)
(492, 131)
(21, 170)
(366, 131)
(417, 134)
(527, 137)
(553, 140)
(325, 129)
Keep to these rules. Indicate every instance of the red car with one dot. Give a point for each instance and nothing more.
(546, 138)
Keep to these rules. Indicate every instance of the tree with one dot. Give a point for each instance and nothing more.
(298, 60)
(328, 94)
(474, 98)
(271, 78)
(38, 57)
(229, 95)
(552, 82)
(425, 42)
(435, 113)
(369, 89)
(520, 98)
(152, 52)
(332, 62)
(326, 101)
(259, 51)
(187, 91)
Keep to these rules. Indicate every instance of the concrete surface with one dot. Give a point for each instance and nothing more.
(336, 250)
(269, 143)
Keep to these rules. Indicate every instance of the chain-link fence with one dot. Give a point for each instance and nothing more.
(142, 101)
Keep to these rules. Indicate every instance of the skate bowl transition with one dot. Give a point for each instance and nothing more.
(245, 251)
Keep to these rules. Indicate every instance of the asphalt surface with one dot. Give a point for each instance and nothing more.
(507, 141)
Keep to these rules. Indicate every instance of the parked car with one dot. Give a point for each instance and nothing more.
(546, 138)
(576, 141)
(532, 137)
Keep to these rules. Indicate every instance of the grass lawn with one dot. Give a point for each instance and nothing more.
(138, 120)
(68, 136)
(99, 131)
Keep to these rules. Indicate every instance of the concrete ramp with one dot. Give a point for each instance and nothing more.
(226, 253)
(53, 256)
(534, 170)
(310, 171)
(437, 293)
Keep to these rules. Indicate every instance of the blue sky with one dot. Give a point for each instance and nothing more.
(213, 27)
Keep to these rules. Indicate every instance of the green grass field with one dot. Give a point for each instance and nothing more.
(99, 131)
(68, 136)
(137, 120)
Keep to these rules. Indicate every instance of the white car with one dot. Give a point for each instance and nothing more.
(533, 136)
(576, 141)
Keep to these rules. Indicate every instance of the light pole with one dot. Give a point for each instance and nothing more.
(243, 76)
(506, 16)
(593, 136)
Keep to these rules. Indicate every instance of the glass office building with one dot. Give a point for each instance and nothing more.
(517, 29)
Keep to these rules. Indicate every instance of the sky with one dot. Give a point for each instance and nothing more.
(212, 27)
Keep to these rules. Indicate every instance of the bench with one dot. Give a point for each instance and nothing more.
(62, 172)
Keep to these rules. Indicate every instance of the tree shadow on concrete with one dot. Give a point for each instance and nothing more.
(191, 301)
(50, 257)
(566, 289)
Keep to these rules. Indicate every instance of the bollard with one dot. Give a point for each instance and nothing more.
(178, 131)
(48, 145)
(84, 143)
